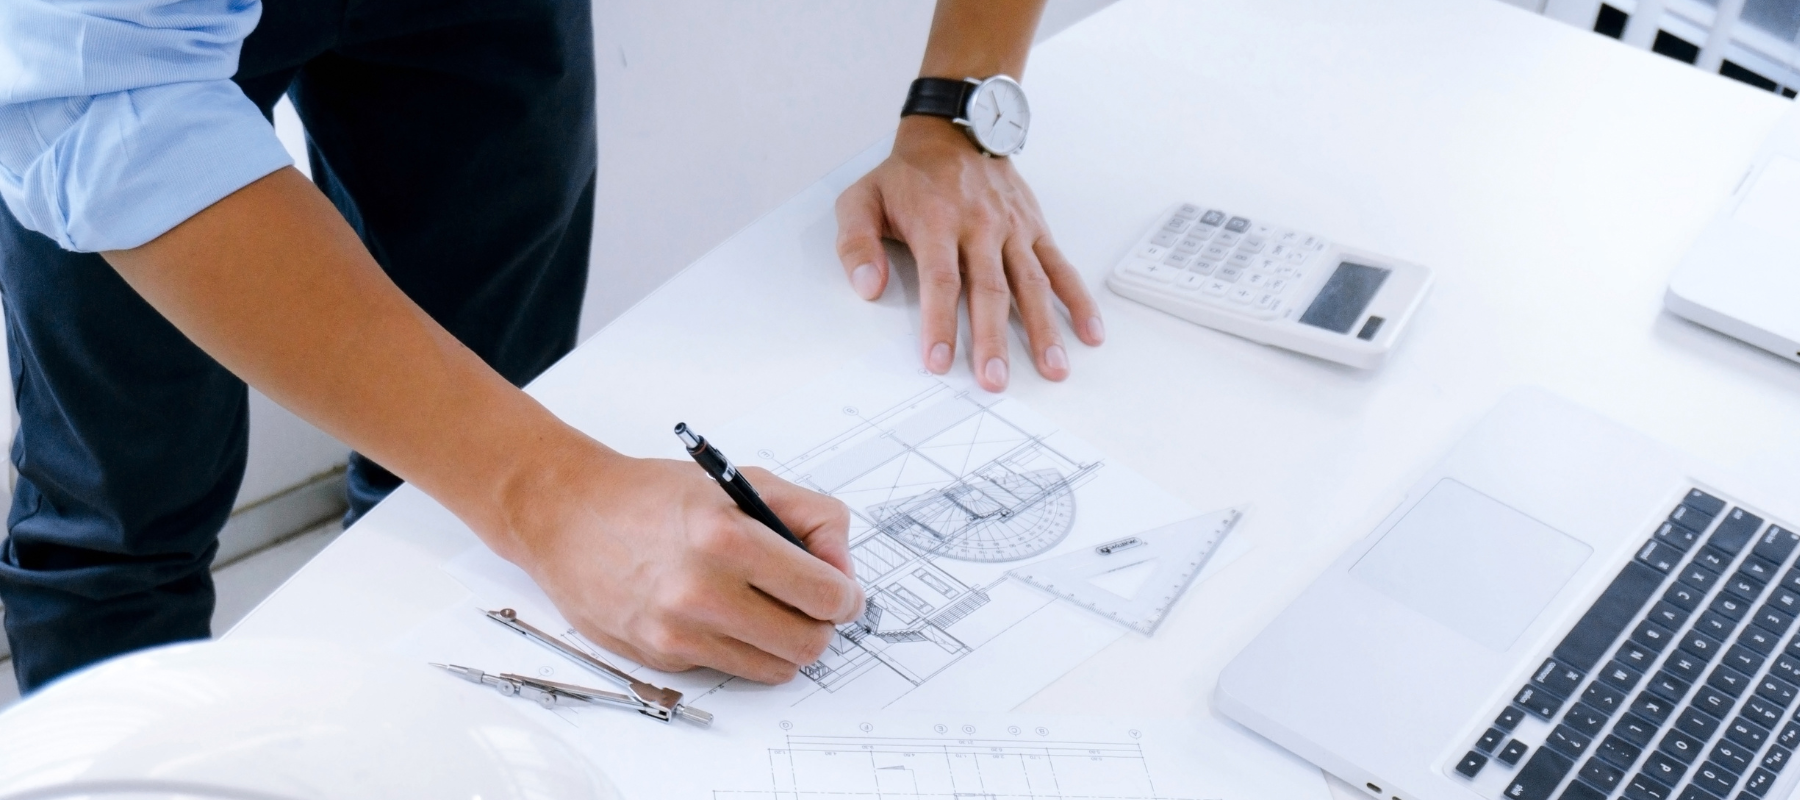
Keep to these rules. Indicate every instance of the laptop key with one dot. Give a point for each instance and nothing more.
(1743, 659)
(1713, 701)
(1714, 779)
(1776, 758)
(1790, 736)
(1602, 697)
(1670, 687)
(1659, 555)
(1652, 708)
(1732, 756)
(1785, 599)
(1705, 504)
(1746, 733)
(1685, 665)
(1633, 655)
(1539, 777)
(1695, 723)
(1652, 636)
(1730, 605)
(1727, 680)
(1778, 691)
(1601, 774)
(1744, 587)
(1715, 625)
(1706, 647)
(1620, 677)
(1581, 791)
(1511, 753)
(1677, 536)
(1664, 769)
(1509, 718)
(1568, 741)
(1773, 620)
(1759, 568)
(1684, 596)
(1471, 764)
(1635, 729)
(1669, 615)
(1643, 787)
(1537, 701)
(1683, 747)
(1490, 740)
(1584, 718)
(1713, 559)
(1585, 643)
(1758, 784)
(1777, 544)
(1791, 580)
(1759, 639)
(1618, 752)
(1786, 668)
(1762, 712)
(1559, 679)
(1738, 528)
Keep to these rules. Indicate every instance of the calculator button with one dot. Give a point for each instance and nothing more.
(1177, 260)
(1296, 257)
(1187, 211)
(1203, 267)
(1251, 245)
(1216, 287)
(1175, 225)
(1201, 232)
(1214, 252)
(1146, 269)
(1261, 230)
(1265, 300)
(1230, 274)
(1189, 245)
(1257, 280)
(1287, 237)
(1244, 260)
(1237, 225)
(1153, 251)
(1164, 239)
(1241, 295)
(1276, 284)
(1226, 239)
(1189, 281)
(1213, 218)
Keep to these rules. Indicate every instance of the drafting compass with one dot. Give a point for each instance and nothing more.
(1174, 555)
(647, 699)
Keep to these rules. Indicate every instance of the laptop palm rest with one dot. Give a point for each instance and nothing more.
(1472, 563)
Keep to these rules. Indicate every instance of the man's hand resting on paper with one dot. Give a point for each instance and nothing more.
(651, 560)
(973, 225)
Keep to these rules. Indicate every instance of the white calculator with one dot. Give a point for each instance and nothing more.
(1271, 284)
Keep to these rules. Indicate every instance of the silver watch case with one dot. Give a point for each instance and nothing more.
(996, 117)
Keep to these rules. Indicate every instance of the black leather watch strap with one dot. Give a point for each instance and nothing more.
(937, 97)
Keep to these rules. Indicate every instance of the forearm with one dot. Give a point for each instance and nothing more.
(979, 38)
(273, 284)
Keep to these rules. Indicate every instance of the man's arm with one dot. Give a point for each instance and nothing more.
(647, 557)
(970, 220)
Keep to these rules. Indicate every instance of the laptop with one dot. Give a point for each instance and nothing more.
(1561, 608)
(1742, 276)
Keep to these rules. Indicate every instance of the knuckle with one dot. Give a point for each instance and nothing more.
(944, 280)
(665, 642)
(1031, 280)
(717, 536)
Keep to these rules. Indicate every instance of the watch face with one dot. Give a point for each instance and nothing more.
(999, 116)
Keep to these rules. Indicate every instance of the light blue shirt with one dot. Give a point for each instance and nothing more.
(118, 118)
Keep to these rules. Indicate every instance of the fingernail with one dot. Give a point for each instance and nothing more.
(1096, 330)
(939, 360)
(867, 281)
(996, 372)
(1055, 357)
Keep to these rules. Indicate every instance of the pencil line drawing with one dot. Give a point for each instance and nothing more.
(939, 477)
(902, 768)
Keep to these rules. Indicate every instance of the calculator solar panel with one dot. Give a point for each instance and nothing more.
(1678, 683)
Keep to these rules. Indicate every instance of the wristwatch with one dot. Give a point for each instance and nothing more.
(992, 111)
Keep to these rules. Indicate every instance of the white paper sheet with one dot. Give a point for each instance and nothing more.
(919, 757)
(949, 488)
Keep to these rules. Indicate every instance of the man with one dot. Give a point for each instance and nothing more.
(160, 251)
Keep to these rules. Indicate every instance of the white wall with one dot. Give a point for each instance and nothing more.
(710, 115)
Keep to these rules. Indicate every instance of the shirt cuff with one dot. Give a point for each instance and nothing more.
(140, 162)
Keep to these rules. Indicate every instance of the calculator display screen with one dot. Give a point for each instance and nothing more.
(1345, 296)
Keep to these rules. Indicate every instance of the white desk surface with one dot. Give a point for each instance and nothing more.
(1552, 178)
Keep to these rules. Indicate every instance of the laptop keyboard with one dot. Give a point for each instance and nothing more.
(1677, 683)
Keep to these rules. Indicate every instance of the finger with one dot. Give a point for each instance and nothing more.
(754, 618)
(860, 222)
(1031, 294)
(820, 520)
(746, 661)
(990, 303)
(793, 576)
(940, 285)
(1084, 313)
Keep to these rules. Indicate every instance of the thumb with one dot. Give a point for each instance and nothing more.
(859, 216)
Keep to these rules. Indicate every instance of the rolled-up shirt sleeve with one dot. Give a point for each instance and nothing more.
(119, 119)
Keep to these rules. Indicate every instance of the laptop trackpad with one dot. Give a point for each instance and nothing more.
(1472, 563)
